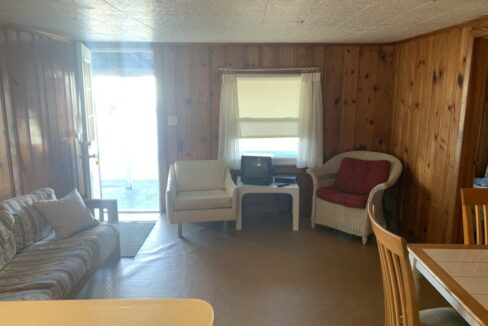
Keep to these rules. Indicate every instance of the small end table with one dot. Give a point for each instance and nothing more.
(293, 190)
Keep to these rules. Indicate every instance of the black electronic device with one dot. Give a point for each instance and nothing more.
(285, 178)
(256, 170)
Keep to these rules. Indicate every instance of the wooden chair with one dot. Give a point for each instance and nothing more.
(400, 299)
(476, 198)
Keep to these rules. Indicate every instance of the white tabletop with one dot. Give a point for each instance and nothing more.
(468, 267)
(273, 185)
(459, 273)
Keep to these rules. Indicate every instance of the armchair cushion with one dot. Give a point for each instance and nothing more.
(334, 195)
(208, 199)
(360, 176)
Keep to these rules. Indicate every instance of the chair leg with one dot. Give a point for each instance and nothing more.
(180, 230)
(226, 227)
(365, 240)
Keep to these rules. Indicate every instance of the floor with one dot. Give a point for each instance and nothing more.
(263, 275)
(138, 217)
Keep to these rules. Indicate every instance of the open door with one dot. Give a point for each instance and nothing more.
(90, 154)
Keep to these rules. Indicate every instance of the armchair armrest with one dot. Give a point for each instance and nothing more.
(171, 191)
(101, 204)
(231, 190)
(230, 186)
(321, 179)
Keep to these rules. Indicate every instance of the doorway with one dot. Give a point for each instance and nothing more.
(124, 94)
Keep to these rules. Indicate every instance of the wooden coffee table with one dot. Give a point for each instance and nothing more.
(168, 312)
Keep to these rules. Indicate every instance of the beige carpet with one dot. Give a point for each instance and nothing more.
(264, 275)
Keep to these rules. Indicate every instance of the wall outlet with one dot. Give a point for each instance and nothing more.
(172, 120)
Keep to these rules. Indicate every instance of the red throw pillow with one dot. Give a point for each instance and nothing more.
(360, 176)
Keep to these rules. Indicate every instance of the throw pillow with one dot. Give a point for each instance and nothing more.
(67, 215)
(30, 226)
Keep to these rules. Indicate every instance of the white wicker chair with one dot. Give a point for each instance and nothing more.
(350, 220)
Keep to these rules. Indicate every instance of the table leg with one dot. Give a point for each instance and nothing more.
(239, 214)
(296, 211)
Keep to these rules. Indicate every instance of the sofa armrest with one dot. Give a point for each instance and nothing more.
(101, 204)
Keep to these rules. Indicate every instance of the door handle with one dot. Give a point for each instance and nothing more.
(92, 156)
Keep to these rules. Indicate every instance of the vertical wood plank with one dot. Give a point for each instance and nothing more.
(184, 105)
(217, 61)
(200, 93)
(349, 94)
(270, 56)
(252, 56)
(365, 124)
(287, 56)
(334, 63)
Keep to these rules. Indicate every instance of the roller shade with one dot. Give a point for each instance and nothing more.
(268, 105)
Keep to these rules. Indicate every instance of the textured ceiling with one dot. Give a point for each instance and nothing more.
(239, 20)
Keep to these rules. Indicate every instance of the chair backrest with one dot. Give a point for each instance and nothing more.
(396, 166)
(398, 286)
(200, 175)
(475, 199)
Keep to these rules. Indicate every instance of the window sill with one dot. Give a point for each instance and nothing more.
(282, 161)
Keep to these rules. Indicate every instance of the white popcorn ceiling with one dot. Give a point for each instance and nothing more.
(239, 21)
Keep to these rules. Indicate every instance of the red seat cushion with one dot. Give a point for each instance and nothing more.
(334, 195)
(360, 176)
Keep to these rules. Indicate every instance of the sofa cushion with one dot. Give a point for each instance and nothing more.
(7, 239)
(359, 177)
(50, 268)
(200, 175)
(10, 209)
(30, 226)
(44, 274)
(207, 199)
(100, 240)
(67, 215)
(334, 195)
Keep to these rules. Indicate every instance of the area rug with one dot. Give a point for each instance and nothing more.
(132, 236)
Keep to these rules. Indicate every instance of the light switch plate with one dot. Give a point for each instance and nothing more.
(172, 120)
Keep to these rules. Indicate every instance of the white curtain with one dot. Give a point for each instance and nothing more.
(229, 132)
(310, 150)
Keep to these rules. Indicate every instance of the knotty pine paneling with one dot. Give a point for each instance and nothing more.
(427, 129)
(356, 86)
(38, 104)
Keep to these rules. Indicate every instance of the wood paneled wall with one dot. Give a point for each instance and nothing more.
(38, 102)
(356, 95)
(427, 129)
(356, 92)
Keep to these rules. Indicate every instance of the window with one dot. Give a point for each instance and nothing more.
(268, 115)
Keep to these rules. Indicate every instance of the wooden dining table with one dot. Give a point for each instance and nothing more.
(459, 273)
(168, 312)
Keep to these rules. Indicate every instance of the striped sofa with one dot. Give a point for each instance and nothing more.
(36, 266)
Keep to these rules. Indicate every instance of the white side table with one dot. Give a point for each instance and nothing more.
(293, 190)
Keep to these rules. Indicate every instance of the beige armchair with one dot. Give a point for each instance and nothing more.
(350, 219)
(200, 191)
